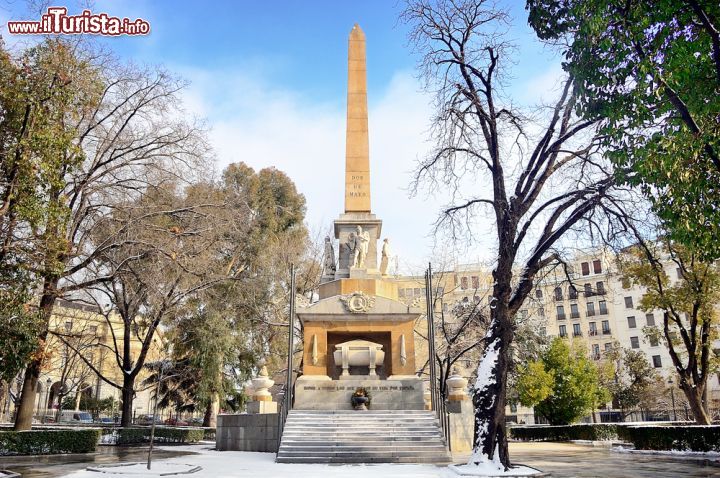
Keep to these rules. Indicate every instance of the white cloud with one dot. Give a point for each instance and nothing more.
(264, 126)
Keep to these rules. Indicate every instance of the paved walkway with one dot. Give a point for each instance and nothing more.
(566, 460)
(563, 460)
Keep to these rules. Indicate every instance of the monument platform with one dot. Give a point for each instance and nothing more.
(401, 393)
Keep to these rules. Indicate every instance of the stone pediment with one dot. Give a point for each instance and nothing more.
(357, 306)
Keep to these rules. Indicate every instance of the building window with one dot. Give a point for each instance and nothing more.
(563, 331)
(657, 361)
(625, 282)
(463, 283)
(93, 330)
(608, 347)
(543, 331)
(653, 341)
(558, 293)
(596, 351)
(572, 292)
(524, 314)
(560, 312)
(650, 319)
(603, 307)
(477, 299)
(590, 309)
(574, 312)
(588, 290)
(600, 288)
(68, 326)
(635, 342)
(606, 327)
(593, 328)
(576, 330)
(541, 311)
(538, 293)
(585, 267)
(628, 303)
(631, 322)
(679, 273)
(475, 282)
(597, 266)
(513, 407)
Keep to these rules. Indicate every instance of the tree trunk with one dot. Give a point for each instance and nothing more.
(128, 395)
(695, 400)
(23, 418)
(489, 396)
(211, 411)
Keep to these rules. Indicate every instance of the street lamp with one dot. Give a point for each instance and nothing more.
(672, 397)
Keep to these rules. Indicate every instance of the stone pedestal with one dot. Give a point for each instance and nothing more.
(462, 422)
(344, 226)
(262, 407)
(401, 394)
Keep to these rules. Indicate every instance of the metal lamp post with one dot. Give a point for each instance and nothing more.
(672, 397)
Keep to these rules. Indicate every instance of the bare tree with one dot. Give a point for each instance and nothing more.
(132, 129)
(536, 174)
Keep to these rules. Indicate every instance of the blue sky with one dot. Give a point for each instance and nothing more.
(270, 79)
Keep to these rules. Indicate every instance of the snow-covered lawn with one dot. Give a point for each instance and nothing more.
(235, 464)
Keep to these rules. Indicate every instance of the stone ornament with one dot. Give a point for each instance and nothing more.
(358, 302)
(315, 356)
(457, 385)
(359, 353)
(329, 258)
(261, 385)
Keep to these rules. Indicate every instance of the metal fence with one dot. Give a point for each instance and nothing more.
(437, 401)
(287, 400)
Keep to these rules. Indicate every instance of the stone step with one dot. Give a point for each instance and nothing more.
(363, 459)
(348, 436)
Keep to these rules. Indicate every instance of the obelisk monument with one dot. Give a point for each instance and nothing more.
(357, 151)
(357, 229)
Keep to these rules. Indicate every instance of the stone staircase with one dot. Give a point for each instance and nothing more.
(372, 436)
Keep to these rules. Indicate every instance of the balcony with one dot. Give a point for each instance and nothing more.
(563, 334)
(596, 356)
(606, 332)
(577, 334)
(574, 315)
(561, 317)
(593, 333)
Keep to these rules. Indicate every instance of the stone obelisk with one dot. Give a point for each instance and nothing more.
(358, 218)
(357, 154)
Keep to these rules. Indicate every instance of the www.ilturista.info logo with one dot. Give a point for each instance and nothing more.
(57, 21)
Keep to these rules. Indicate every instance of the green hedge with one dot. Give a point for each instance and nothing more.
(693, 438)
(42, 442)
(586, 431)
(133, 436)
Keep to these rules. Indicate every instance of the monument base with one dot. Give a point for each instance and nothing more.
(262, 407)
(404, 394)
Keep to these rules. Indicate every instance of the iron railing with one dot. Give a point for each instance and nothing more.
(287, 400)
(437, 401)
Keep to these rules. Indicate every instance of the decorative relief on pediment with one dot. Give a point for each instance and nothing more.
(358, 302)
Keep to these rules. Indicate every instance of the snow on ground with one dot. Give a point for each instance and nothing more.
(226, 464)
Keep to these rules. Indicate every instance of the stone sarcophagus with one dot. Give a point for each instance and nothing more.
(359, 353)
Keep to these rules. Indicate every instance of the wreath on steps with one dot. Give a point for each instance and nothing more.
(356, 399)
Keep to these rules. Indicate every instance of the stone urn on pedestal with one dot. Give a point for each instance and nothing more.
(262, 399)
(457, 387)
